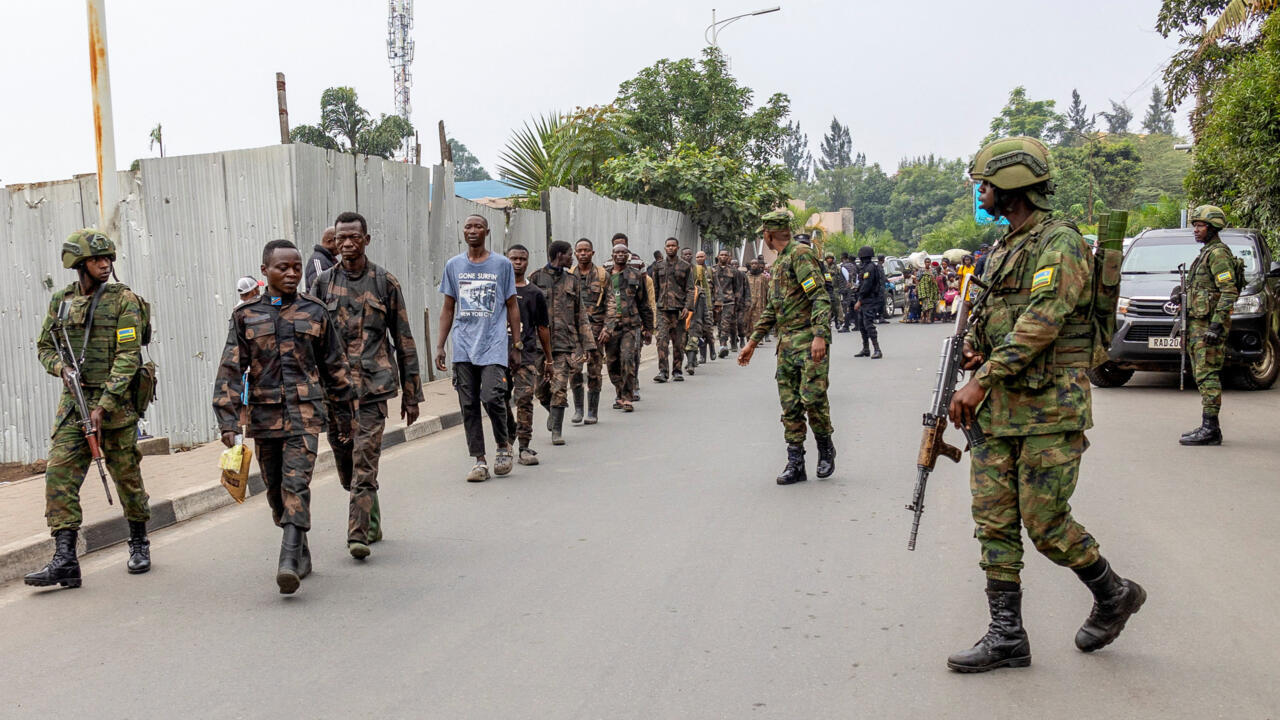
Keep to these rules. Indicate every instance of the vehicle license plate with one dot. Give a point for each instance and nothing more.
(1171, 343)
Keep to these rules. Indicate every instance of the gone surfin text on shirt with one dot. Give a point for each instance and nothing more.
(477, 294)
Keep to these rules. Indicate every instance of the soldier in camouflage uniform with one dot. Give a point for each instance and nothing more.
(673, 291)
(289, 352)
(742, 327)
(801, 311)
(627, 308)
(570, 333)
(591, 280)
(535, 333)
(927, 291)
(837, 288)
(726, 289)
(702, 336)
(1210, 295)
(758, 283)
(1031, 342)
(109, 356)
(367, 308)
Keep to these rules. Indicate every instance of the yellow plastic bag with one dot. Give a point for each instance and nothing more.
(235, 462)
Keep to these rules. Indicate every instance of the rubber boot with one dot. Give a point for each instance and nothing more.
(702, 352)
(1209, 433)
(139, 548)
(1004, 645)
(287, 571)
(375, 521)
(690, 361)
(304, 558)
(577, 406)
(794, 472)
(557, 426)
(826, 456)
(876, 355)
(1115, 599)
(64, 568)
(593, 408)
(865, 352)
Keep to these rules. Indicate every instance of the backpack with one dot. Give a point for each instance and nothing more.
(1107, 258)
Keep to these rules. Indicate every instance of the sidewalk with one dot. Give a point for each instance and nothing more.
(182, 485)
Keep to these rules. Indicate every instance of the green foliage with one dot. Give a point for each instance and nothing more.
(722, 195)
(1118, 119)
(1080, 123)
(1159, 120)
(1199, 67)
(345, 126)
(881, 241)
(923, 190)
(1109, 167)
(800, 216)
(1165, 212)
(1163, 170)
(466, 167)
(526, 162)
(837, 147)
(1022, 116)
(795, 154)
(1237, 158)
(585, 139)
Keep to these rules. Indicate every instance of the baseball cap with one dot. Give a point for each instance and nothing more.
(246, 283)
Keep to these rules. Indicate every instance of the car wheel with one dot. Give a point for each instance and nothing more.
(1109, 375)
(1262, 374)
(889, 306)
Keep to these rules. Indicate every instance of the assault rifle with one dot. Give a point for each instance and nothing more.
(62, 343)
(935, 420)
(1181, 329)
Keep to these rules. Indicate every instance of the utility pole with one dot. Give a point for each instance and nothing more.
(104, 128)
(284, 109)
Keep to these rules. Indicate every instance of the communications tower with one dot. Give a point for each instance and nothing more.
(400, 53)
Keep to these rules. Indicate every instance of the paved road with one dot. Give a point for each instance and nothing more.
(651, 569)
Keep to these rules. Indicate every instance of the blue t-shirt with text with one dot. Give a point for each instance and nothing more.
(480, 292)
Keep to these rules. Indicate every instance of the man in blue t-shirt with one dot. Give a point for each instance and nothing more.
(479, 289)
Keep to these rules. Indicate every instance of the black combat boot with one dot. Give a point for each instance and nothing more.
(702, 352)
(1114, 600)
(557, 426)
(290, 548)
(826, 456)
(139, 548)
(794, 471)
(577, 406)
(304, 558)
(1004, 645)
(593, 408)
(876, 355)
(1209, 433)
(865, 352)
(690, 361)
(64, 568)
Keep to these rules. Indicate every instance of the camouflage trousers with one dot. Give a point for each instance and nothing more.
(357, 463)
(1206, 364)
(802, 390)
(728, 325)
(621, 354)
(553, 382)
(69, 460)
(520, 393)
(837, 307)
(286, 464)
(1028, 481)
(702, 329)
(671, 337)
(594, 361)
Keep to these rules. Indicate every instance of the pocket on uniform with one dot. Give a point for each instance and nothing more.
(309, 391)
(259, 330)
(259, 395)
(1054, 449)
(307, 327)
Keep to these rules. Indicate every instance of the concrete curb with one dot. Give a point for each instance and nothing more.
(23, 556)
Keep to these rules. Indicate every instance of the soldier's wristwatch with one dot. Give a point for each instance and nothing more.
(519, 345)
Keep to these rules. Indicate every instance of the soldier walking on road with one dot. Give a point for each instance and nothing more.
(104, 324)
(368, 309)
(591, 281)
(570, 333)
(726, 289)
(673, 288)
(1213, 285)
(628, 308)
(638, 263)
(800, 310)
(837, 288)
(759, 295)
(741, 328)
(702, 337)
(1031, 344)
(535, 328)
(870, 297)
(285, 349)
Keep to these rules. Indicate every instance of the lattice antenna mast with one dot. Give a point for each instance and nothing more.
(400, 53)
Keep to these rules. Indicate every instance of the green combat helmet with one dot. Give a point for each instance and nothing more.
(1016, 163)
(1210, 215)
(84, 244)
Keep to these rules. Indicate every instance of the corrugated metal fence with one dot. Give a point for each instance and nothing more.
(192, 225)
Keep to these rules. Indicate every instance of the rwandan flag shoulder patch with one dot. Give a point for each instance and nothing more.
(1042, 279)
(1224, 276)
(809, 284)
(124, 335)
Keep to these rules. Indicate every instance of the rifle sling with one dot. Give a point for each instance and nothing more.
(88, 323)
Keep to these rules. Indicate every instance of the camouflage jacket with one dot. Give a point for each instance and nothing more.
(673, 285)
(798, 304)
(744, 289)
(833, 276)
(627, 305)
(112, 354)
(758, 293)
(591, 288)
(725, 287)
(570, 325)
(293, 356)
(1211, 287)
(368, 311)
(927, 289)
(1034, 330)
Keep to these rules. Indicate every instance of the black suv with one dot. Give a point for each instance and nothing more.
(1146, 318)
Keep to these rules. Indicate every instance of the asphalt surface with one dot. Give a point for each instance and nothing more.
(651, 568)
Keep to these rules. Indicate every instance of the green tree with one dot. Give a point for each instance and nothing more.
(466, 167)
(837, 147)
(1158, 121)
(1108, 170)
(1118, 119)
(1162, 169)
(345, 126)
(1236, 16)
(585, 139)
(157, 138)
(1023, 116)
(1079, 122)
(871, 199)
(795, 154)
(527, 162)
(834, 189)
(923, 190)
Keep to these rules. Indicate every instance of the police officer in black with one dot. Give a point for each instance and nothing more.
(870, 299)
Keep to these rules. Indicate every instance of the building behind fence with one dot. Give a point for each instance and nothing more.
(190, 226)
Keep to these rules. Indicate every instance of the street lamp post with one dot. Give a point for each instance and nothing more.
(715, 26)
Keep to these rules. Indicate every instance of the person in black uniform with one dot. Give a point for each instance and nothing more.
(870, 298)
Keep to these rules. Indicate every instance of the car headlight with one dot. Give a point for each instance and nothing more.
(1122, 307)
(1248, 305)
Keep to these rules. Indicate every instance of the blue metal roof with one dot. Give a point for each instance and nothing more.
(484, 189)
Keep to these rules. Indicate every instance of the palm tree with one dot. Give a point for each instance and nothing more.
(528, 161)
(1235, 16)
(157, 138)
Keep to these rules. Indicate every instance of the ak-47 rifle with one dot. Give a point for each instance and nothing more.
(935, 420)
(1182, 326)
(62, 343)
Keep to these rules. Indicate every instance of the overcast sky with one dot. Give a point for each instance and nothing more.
(910, 78)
